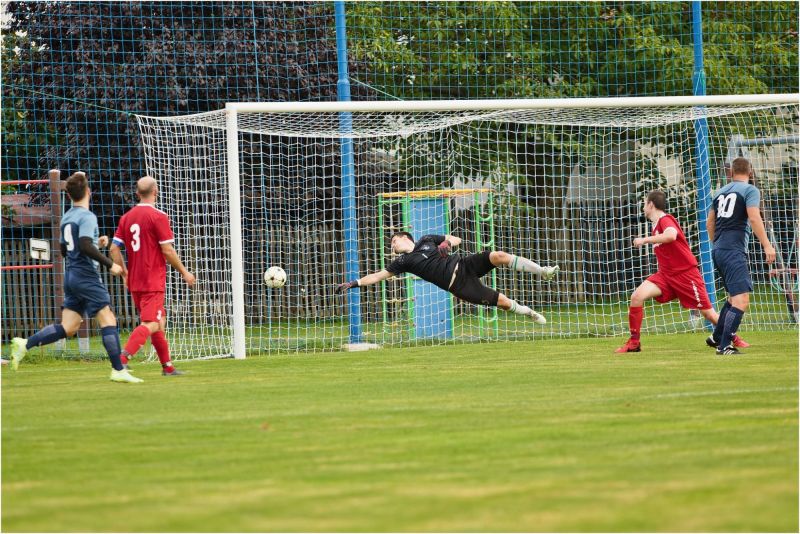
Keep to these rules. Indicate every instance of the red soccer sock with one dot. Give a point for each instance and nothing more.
(137, 339)
(159, 341)
(635, 316)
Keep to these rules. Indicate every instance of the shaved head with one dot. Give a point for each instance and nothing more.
(146, 187)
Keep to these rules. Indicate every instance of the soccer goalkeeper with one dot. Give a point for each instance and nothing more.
(430, 259)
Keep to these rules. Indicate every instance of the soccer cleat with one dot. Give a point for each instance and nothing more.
(18, 351)
(126, 367)
(630, 346)
(174, 372)
(124, 376)
(739, 342)
(736, 342)
(730, 349)
(538, 317)
(550, 272)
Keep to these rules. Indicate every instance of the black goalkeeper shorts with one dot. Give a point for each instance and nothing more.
(468, 286)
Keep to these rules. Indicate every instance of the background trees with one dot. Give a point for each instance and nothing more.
(75, 72)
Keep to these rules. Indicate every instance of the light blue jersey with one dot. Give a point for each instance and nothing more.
(79, 222)
(732, 229)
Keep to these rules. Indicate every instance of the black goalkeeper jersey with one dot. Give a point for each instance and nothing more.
(425, 262)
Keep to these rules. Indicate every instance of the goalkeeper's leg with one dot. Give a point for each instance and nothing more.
(518, 263)
(505, 303)
(470, 289)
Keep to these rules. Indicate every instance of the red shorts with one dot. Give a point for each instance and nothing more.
(688, 287)
(150, 305)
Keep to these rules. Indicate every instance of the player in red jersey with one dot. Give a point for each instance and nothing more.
(677, 277)
(146, 234)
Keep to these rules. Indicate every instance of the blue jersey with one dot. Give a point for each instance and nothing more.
(79, 222)
(732, 228)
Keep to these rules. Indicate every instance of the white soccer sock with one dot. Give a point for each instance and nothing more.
(518, 263)
(519, 308)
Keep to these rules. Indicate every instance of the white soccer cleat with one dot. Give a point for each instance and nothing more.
(550, 272)
(18, 351)
(538, 317)
(124, 376)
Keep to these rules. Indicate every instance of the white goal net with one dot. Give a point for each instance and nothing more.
(320, 193)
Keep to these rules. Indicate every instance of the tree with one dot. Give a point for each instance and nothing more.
(101, 62)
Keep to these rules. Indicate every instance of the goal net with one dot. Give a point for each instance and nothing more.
(318, 189)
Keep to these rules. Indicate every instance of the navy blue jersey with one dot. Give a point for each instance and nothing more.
(79, 222)
(730, 203)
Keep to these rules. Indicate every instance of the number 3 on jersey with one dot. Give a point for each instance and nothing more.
(725, 205)
(136, 242)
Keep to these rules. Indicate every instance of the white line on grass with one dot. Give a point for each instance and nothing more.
(714, 393)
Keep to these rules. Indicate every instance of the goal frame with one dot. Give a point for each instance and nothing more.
(234, 109)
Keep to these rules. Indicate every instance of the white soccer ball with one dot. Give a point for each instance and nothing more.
(275, 277)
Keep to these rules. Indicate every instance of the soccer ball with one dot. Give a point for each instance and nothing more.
(275, 277)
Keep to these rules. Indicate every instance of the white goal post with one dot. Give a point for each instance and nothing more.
(261, 184)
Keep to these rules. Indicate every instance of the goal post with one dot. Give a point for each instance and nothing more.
(261, 184)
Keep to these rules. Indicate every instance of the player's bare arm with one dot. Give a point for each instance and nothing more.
(668, 236)
(711, 224)
(367, 280)
(754, 215)
(453, 240)
(450, 242)
(116, 256)
(171, 255)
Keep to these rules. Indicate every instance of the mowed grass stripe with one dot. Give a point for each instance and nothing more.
(529, 436)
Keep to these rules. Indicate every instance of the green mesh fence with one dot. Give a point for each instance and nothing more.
(73, 73)
(559, 49)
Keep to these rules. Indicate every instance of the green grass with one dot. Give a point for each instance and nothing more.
(531, 436)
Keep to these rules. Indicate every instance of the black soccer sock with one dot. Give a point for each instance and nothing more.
(720, 327)
(45, 336)
(732, 320)
(111, 343)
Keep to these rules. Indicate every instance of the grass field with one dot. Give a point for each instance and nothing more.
(530, 436)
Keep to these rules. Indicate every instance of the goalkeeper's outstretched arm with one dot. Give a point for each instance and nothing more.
(368, 280)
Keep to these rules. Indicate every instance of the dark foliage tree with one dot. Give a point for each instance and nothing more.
(87, 67)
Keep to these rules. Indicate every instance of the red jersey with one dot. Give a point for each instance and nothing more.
(672, 257)
(142, 231)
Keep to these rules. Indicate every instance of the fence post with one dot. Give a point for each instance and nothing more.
(56, 186)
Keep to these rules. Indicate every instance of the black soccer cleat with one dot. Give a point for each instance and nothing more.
(174, 372)
(711, 343)
(729, 350)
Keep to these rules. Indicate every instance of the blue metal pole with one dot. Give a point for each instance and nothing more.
(349, 209)
(701, 151)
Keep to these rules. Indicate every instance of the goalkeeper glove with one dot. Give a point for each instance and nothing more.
(341, 288)
(444, 248)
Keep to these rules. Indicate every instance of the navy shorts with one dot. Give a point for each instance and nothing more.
(85, 294)
(732, 267)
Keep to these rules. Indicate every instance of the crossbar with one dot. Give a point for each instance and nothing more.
(511, 104)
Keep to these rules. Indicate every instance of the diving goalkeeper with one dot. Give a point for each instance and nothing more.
(430, 259)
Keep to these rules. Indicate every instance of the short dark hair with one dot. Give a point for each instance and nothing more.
(403, 234)
(77, 185)
(741, 166)
(658, 198)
